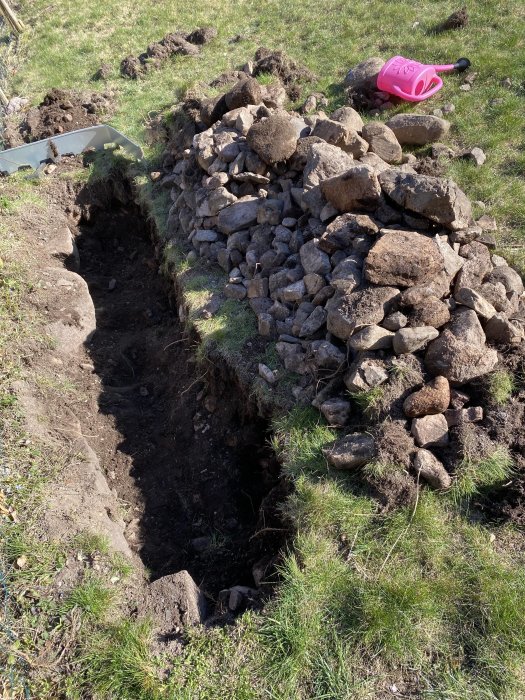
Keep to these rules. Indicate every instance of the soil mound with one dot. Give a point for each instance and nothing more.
(176, 43)
(59, 112)
(279, 64)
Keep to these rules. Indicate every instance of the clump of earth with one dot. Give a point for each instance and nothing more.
(174, 44)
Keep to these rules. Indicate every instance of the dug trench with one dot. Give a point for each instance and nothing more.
(181, 445)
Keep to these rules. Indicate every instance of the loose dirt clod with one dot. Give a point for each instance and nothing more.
(279, 64)
(457, 20)
(176, 43)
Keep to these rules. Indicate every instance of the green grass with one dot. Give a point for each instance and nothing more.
(65, 47)
(501, 384)
(91, 597)
(473, 475)
(367, 599)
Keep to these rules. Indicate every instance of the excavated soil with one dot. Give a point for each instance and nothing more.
(59, 112)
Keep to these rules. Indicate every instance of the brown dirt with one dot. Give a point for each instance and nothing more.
(430, 166)
(176, 43)
(59, 112)
(457, 20)
(279, 64)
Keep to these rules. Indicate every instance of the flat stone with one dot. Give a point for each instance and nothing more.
(205, 236)
(435, 198)
(293, 292)
(265, 325)
(336, 412)
(431, 470)
(433, 398)
(418, 129)
(371, 338)
(474, 300)
(350, 451)
(430, 430)
(452, 261)
(357, 188)
(403, 258)
(239, 215)
(413, 339)
(463, 415)
(315, 321)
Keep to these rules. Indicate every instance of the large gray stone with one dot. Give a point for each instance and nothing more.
(413, 339)
(324, 161)
(418, 129)
(363, 76)
(430, 430)
(239, 215)
(349, 117)
(435, 198)
(431, 469)
(351, 451)
(460, 353)
(382, 141)
(357, 188)
(348, 313)
(313, 259)
(371, 338)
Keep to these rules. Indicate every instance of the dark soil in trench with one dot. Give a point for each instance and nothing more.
(190, 465)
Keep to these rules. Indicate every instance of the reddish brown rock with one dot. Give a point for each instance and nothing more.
(433, 398)
(403, 258)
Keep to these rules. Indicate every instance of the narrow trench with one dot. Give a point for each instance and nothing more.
(192, 466)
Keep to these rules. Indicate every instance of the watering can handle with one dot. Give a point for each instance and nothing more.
(424, 95)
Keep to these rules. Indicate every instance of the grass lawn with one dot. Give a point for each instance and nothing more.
(422, 602)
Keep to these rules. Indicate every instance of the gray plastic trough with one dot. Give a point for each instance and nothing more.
(74, 142)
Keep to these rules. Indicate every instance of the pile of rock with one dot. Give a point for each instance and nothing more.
(352, 261)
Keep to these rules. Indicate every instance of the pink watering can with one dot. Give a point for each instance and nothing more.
(413, 81)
